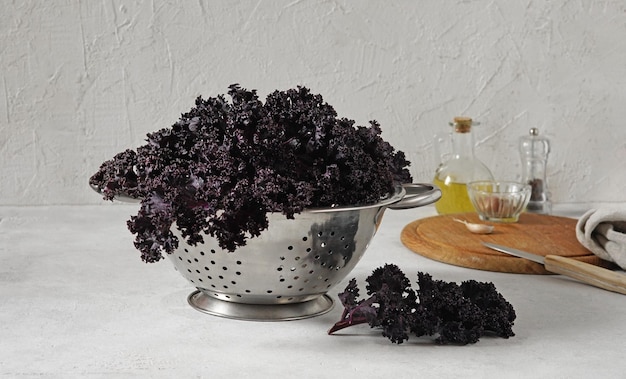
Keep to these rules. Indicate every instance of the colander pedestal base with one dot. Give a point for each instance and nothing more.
(260, 312)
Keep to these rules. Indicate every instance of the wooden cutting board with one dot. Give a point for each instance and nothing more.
(445, 240)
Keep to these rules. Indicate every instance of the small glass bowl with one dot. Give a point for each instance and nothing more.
(499, 201)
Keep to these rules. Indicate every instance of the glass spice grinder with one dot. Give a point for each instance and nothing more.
(534, 152)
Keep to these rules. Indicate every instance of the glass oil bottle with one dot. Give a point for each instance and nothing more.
(459, 168)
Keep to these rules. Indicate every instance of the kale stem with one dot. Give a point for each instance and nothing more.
(347, 323)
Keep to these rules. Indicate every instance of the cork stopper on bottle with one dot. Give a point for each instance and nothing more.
(462, 124)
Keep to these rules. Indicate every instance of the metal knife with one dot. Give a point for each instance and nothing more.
(585, 272)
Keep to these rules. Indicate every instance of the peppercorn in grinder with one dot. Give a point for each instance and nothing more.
(534, 152)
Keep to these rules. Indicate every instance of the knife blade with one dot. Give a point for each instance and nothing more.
(584, 272)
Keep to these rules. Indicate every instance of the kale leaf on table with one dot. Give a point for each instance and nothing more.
(451, 313)
(225, 164)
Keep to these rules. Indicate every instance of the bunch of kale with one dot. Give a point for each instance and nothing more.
(454, 314)
(224, 165)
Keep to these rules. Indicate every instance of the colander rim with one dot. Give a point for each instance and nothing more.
(397, 195)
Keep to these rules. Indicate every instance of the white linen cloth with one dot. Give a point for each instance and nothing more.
(603, 232)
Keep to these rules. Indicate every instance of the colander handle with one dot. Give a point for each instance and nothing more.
(417, 195)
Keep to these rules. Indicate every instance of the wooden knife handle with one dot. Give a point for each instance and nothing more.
(588, 273)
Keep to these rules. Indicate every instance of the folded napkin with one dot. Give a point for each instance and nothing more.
(603, 231)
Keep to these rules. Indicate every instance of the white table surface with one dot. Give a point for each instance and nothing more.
(77, 301)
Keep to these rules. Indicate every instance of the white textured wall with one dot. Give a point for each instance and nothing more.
(83, 80)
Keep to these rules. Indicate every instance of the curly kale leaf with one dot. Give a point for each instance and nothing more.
(497, 311)
(451, 313)
(457, 319)
(117, 176)
(226, 163)
(396, 300)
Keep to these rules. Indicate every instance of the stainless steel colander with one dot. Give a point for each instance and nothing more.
(284, 273)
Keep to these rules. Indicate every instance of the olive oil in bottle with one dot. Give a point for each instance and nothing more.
(454, 198)
(463, 167)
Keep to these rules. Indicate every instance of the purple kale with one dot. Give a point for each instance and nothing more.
(396, 300)
(355, 311)
(117, 176)
(498, 313)
(452, 317)
(451, 313)
(225, 164)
